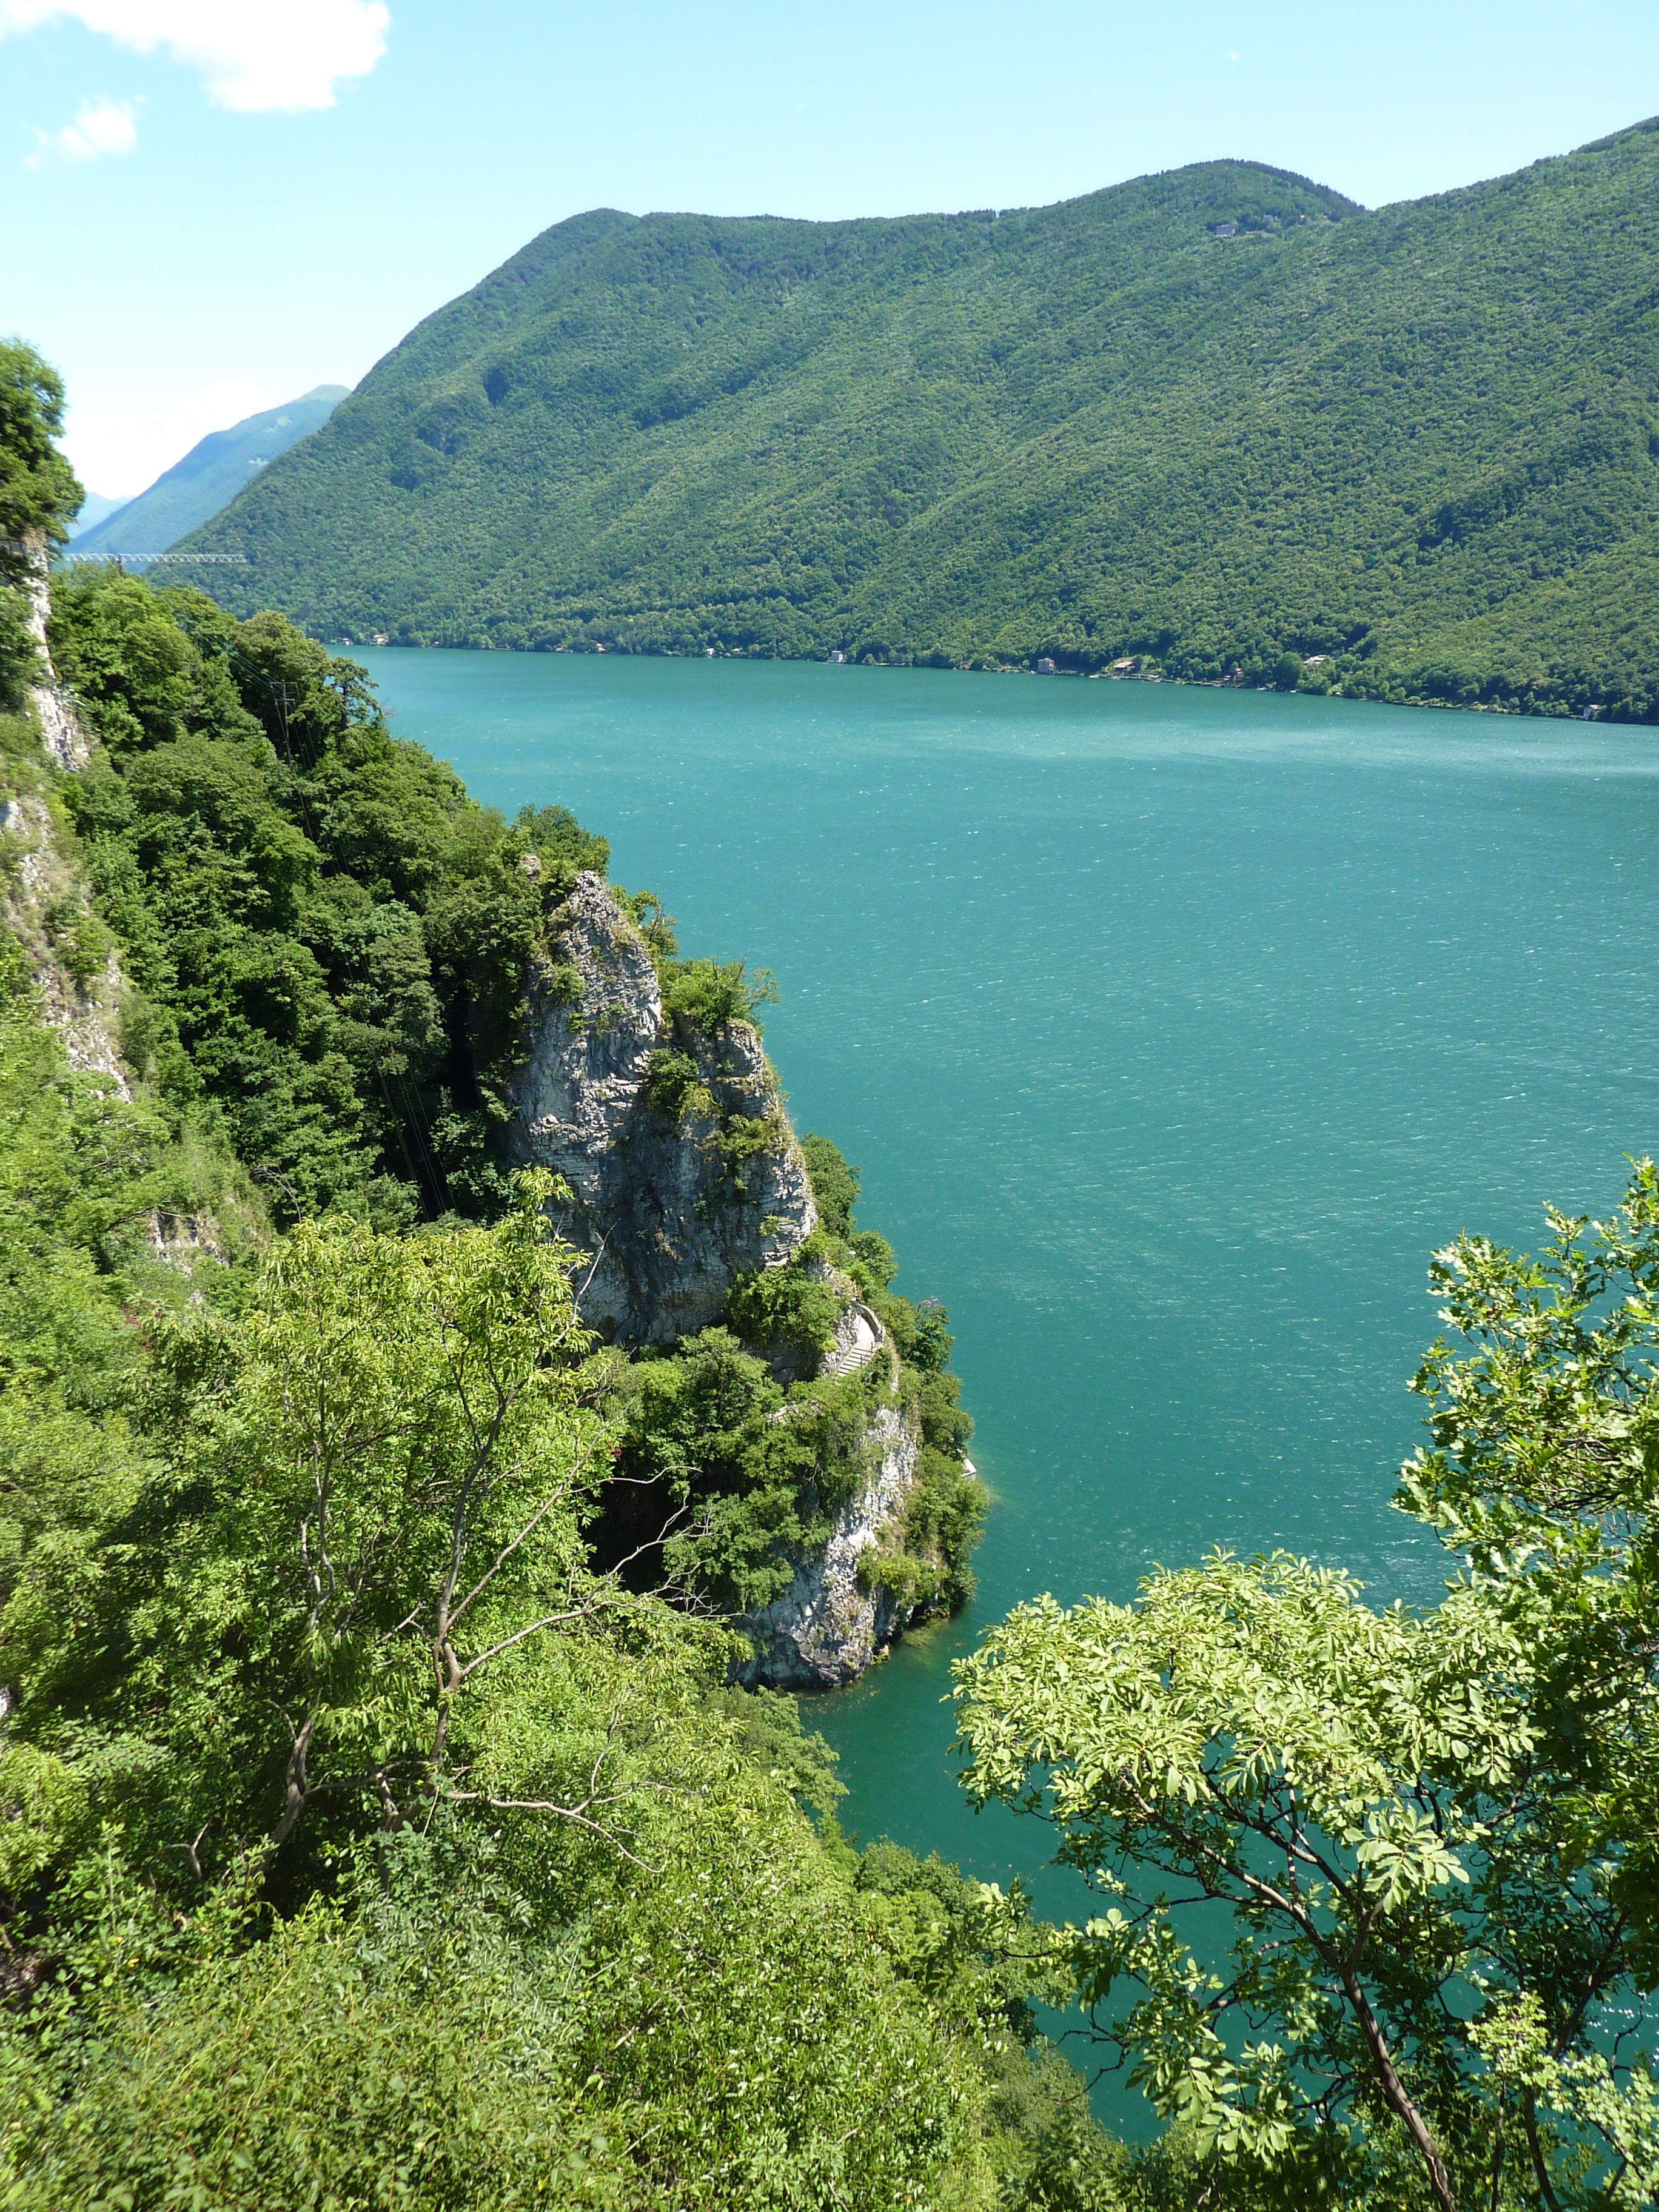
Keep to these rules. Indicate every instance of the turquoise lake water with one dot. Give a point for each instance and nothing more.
(1170, 1029)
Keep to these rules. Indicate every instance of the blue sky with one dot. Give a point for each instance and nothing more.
(208, 206)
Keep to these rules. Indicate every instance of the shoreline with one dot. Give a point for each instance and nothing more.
(1532, 709)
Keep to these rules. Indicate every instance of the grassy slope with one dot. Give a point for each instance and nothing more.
(1423, 438)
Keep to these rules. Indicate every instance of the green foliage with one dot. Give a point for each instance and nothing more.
(388, 1474)
(361, 1844)
(560, 843)
(1435, 1829)
(674, 1083)
(943, 1518)
(1236, 1703)
(706, 995)
(1419, 442)
(654, 921)
(330, 940)
(770, 1736)
(38, 494)
(762, 1467)
(20, 656)
(1049, 2150)
(774, 2042)
(88, 1185)
(134, 671)
(923, 1566)
(796, 1305)
(758, 1466)
(835, 1183)
(1541, 1475)
(724, 2033)
(745, 1136)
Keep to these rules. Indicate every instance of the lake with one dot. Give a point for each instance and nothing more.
(1172, 1031)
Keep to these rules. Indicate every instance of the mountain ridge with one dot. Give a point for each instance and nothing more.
(1218, 420)
(192, 491)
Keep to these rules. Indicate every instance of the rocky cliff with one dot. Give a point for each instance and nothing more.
(675, 1191)
(43, 900)
(834, 1618)
(60, 729)
(43, 905)
(685, 1175)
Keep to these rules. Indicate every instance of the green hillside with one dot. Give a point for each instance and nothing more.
(1420, 441)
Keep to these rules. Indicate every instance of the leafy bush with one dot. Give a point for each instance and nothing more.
(562, 983)
(746, 1136)
(794, 1304)
(943, 1518)
(706, 995)
(654, 921)
(672, 1081)
(559, 841)
(20, 656)
(835, 1183)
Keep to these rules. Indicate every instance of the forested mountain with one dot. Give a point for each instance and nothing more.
(210, 476)
(1215, 417)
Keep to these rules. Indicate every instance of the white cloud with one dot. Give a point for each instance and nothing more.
(103, 126)
(120, 450)
(252, 55)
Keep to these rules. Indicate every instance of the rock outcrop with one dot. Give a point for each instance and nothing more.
(685, 1174)
(60, 729)
(676, 1194)
(44, 906)
(43, 901)
(827, 1627)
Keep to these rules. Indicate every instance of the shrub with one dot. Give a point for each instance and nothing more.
(786, 1305)
(672, 1081)
(835, 1182)
(559, 841)
(706, 995)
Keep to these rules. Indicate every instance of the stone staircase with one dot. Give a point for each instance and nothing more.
(858, 1337)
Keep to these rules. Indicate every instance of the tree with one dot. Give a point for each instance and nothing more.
(359, 1844)
(372, 1506)
(39, 492)
(39, 495)
(1435, 1829)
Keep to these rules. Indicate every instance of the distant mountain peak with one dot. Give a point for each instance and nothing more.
(209, 476)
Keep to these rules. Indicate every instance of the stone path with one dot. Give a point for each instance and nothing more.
(866, 1340)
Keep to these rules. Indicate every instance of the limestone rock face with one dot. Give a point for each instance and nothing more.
(824, 1630)
(43, 901)
(44, 906)
(60, 731)
(673, 1207)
